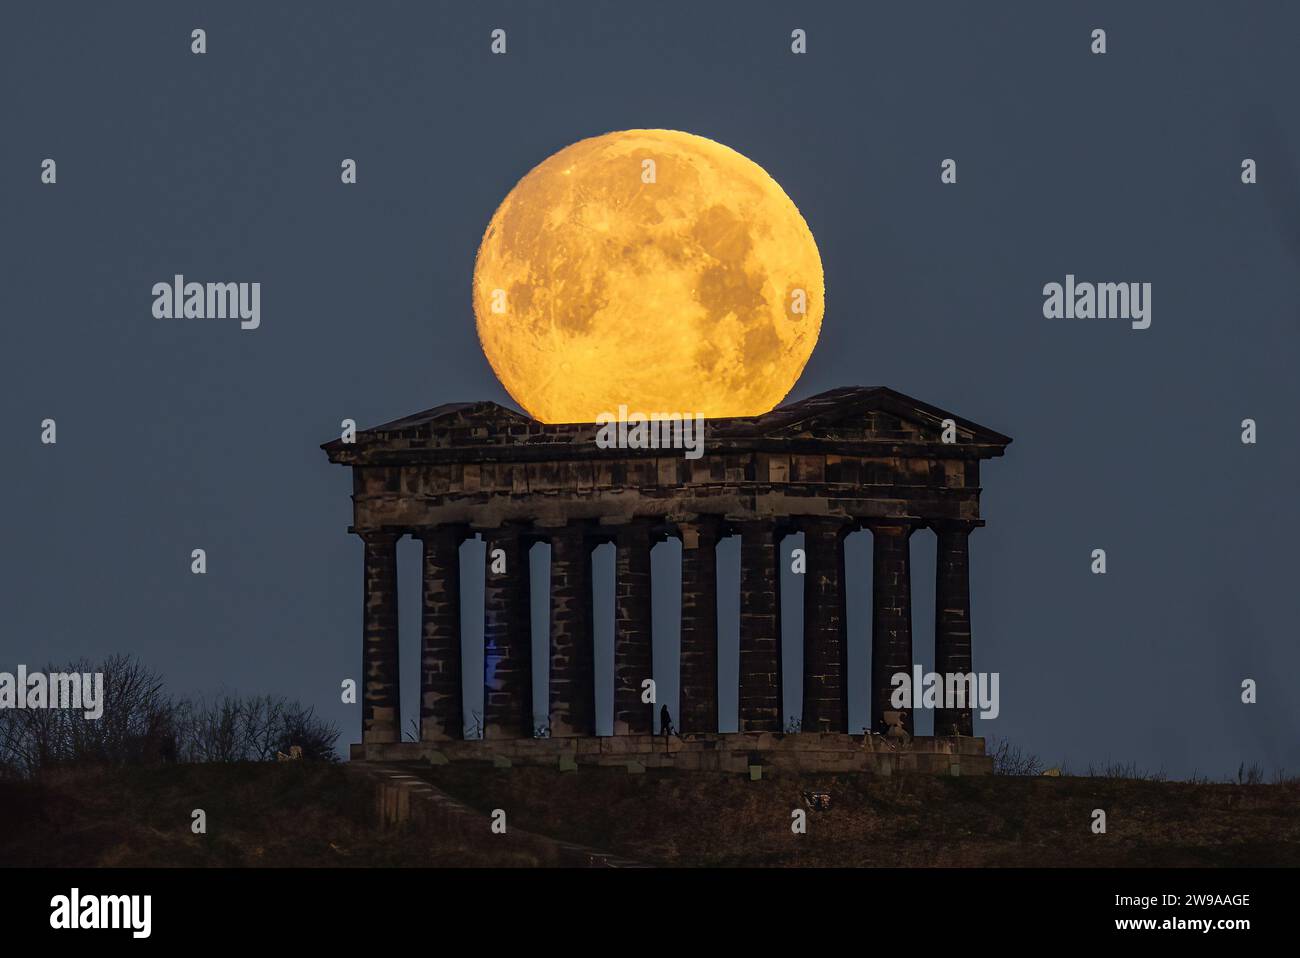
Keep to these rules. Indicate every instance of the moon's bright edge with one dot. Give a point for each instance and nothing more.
(667, 287)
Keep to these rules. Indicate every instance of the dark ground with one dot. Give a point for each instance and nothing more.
(281, 814)
(275, 814)
(676, 818)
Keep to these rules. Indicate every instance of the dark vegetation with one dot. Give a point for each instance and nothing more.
(323, 814)
(122, 790)
(303, 814)
(143, 725)
(678, 818)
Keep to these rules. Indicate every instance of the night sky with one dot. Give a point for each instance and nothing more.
(1123, 167)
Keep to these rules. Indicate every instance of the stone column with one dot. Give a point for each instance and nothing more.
(891, 632)
(381, 706)
(825, 646)
(507, 637)
(572, 678)
(699, 636)
(442, 714)
(632, 635)
(761, 704)
(952, 643)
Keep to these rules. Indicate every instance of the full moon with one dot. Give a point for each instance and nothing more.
(651, 268)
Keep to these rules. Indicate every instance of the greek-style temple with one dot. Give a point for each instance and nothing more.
(848, 459)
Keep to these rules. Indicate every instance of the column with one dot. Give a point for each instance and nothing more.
(891, 627)
(572, 677)
(952, 643)
(507, 637)
(825, 646)
(441, 702)
(632, 658)
(699, 636)
(381, 708)
(761, 704)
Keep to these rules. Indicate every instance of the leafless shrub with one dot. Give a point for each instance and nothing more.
(253, 729)
(301, 727)
(142, 724)
(1008, 759)
(1128, 770)
(1254, 775)
(138, 718)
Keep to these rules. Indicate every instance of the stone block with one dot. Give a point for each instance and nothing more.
(618, 744)
(692, 760)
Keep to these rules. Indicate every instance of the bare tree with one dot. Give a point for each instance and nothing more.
(138, 717)
(141, 724)
(253, 729)
(1008, 759)
(317, 739)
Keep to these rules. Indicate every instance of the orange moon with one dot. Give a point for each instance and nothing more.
(651, 268)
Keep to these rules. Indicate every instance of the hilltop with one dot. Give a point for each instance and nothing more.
(294, 813)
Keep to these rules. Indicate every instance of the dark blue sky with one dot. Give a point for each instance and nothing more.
(1122, 167)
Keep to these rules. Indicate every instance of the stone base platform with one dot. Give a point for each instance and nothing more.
(724, 752)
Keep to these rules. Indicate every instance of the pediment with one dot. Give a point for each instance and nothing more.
(870, 414)
(451, 424)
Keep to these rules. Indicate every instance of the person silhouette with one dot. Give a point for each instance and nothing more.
(666, 724)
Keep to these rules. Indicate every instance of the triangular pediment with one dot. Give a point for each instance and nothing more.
(462, 423)
(866, 414)
(451, 415)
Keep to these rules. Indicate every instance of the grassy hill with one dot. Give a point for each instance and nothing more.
(258, 814)
(278, 814)
(674, 818)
